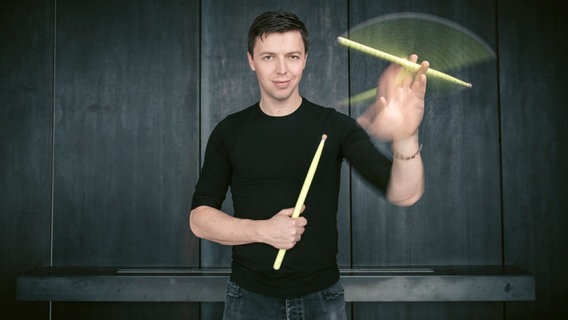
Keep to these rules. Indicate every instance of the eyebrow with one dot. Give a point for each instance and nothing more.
(272, 53)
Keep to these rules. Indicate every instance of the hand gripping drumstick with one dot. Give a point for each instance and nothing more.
(302, 197)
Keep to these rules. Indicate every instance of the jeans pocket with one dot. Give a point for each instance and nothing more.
(233, 290)
(334, 291)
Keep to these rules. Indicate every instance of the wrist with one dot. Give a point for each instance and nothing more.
(252, 230)
(406, 149)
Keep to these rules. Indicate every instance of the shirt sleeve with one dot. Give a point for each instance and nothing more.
(215, 177)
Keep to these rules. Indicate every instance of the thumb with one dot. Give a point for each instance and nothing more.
(290, 211)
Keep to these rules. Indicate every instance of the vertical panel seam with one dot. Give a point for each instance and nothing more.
(348, 5)
(349, 310)
(52, 173)
(199, 109)
(53, 87)
(500, 144)
(199, 127)
(500, 135)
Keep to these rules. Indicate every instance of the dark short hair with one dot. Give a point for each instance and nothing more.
(275, 22)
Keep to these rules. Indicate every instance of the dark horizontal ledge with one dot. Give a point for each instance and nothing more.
(108, 284)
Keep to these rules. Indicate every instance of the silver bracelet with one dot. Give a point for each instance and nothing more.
(403, 157)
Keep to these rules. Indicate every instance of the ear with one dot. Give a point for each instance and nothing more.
(251, 62)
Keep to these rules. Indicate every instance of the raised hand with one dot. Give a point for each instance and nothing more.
(399, 107)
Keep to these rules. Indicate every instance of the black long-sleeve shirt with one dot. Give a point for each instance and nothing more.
(264, 160)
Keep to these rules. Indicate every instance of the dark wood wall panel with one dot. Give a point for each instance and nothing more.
(126, 132)
(126, 139)
(26, 35)
(535, 149)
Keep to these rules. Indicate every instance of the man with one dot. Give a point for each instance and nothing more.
(263, 153)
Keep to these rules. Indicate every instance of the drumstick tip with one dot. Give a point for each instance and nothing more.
(324, 136)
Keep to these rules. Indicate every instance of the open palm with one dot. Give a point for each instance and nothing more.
(399, 107)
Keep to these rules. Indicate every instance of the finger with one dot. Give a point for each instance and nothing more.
(302, 222)
(366, 119)
(413, 58)
(369, 118)
(419, 85)
(363, 121)
(286, 212)
(290, 211)
(423, 69)
(382, 103)
(389, 80)
(408, 76)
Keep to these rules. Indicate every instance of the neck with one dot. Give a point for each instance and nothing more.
(277, 108)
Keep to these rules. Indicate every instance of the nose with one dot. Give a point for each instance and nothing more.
(281, 67)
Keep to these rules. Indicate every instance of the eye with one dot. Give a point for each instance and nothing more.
(267, 58)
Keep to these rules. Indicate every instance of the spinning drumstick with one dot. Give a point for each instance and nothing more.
(302, 197)
(403, 62)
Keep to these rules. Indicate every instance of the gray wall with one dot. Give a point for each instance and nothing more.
(534, 120)
(106, 109)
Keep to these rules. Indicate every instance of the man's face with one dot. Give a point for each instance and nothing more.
(279, 60)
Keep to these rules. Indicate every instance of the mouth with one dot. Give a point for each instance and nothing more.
(281, 83)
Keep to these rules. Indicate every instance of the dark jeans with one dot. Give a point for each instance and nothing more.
(328, 304)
